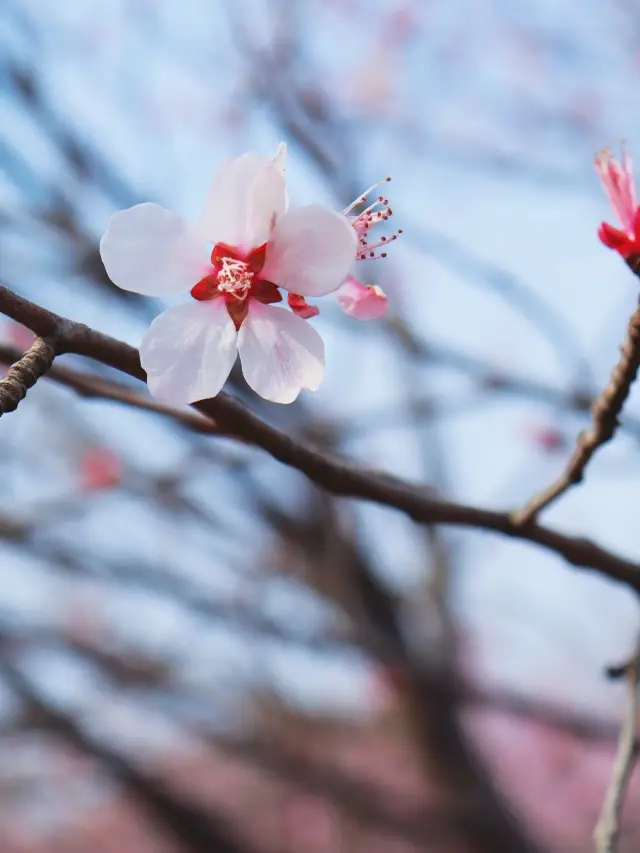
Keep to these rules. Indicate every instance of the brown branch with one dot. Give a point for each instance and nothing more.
(604, 413)
(608, 827)
(24, 374)
(328, 471)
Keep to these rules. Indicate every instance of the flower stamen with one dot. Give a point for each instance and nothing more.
(378, 211)
(235, 278)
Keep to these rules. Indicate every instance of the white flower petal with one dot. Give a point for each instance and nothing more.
(362, 301)
(280, 353)
(280, 160)
(188, 351)
(151, 250)
(246, 198)
(310, 251)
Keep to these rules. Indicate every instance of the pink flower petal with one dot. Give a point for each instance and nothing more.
(188, 352)
(280, 353)
(618, 183)
(311, 251)
(150, 250)
(246, 198)
(364, 302)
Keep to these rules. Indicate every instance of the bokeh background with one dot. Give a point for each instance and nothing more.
(200, 651)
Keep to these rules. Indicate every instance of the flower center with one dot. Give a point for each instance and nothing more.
(234, 278)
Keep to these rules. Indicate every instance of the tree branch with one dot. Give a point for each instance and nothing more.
(24, 374)
(608, 827)
(328, 471)
(604, 412)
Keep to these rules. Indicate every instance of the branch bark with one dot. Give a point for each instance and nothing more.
(24, 374)
(605, 411)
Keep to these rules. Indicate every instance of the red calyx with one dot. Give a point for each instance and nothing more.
(301, 307)
(206, 288)
(620, 241)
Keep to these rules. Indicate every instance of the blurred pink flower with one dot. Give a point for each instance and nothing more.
(99, 468)
(258, 247)
(546, 437)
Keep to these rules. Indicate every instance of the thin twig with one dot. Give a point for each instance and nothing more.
(24, 374)
(604, 413)
(608, 827)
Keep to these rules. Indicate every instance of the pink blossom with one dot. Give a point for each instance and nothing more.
(258, 247)
(617, 180)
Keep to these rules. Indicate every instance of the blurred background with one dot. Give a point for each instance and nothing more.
(199, 651)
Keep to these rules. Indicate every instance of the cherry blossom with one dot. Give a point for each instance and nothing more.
(259, 247)
(617, 180)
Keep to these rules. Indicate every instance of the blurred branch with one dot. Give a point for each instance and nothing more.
(193, 829)
(432, 692)
(330, 472)
(314, 775)
(423, 826)
(24, 374)
(144, 670)
(504, 284)
(492, 378)
(605, 412)
(608, 827)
